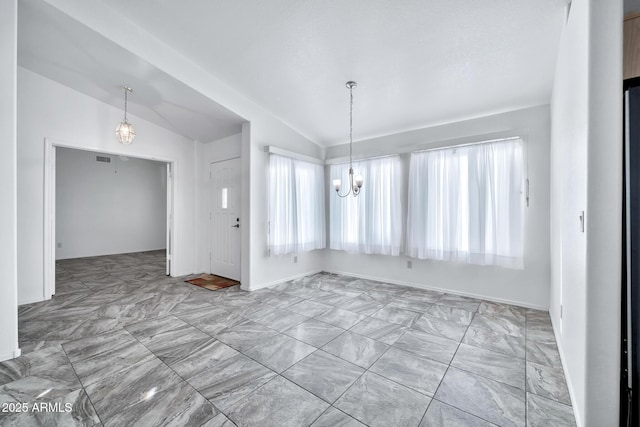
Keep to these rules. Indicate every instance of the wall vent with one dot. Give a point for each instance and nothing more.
(103, 159)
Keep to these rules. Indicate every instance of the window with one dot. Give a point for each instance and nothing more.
(224, 197)
(296, 206)
(372, 222)
(465, 204)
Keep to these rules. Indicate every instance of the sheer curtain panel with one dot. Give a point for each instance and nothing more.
(465, 204)
(296, 206)
(372, 222)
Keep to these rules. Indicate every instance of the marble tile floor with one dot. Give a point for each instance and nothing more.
(122, 344)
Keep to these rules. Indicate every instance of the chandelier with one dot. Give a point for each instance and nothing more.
(355, 182)
(124, 131)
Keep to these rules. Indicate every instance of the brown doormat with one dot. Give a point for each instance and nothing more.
(212, 282)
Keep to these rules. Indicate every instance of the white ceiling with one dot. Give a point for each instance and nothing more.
(417, 62)
(58, 47)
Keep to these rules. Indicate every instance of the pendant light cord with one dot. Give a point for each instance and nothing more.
(126, 92)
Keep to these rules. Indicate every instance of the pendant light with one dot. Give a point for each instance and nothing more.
(124, 131)
(355, 182)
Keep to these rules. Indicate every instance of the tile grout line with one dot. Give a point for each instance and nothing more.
(82, 385)
(177, 374)
(331, 404)
(391, 345)
(526, 368)
(183, 379)
(277, 374)
(367, 370)
(449, 366)
(76, 373)
(151, 352)
(356, 380)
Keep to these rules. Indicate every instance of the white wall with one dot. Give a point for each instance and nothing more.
(8, 208)
(207, 153)
(604, 213)
(528, 287)
(265, 269)
(108, 208)
(47, 109)
(586, 175)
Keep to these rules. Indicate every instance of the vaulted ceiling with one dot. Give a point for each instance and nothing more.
(417, 63)
(52, 44)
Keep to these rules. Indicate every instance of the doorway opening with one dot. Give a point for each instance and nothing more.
(105, 203)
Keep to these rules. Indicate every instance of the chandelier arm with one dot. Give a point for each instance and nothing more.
(350, 185)
(345, 195)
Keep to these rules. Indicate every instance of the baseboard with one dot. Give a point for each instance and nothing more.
(567, 375)
(110, 253)
(277, 282)
(10, 355)
(31, 301)
(437, 289)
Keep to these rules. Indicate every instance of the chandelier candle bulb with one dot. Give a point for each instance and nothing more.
(336, 184)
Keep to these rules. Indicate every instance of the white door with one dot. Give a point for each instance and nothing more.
(225, 219)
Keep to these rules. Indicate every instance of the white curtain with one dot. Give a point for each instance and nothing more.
(372, 222)
(296, 206)
(465, 204)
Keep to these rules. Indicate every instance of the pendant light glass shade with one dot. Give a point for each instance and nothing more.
(358, 181)
(124, 131)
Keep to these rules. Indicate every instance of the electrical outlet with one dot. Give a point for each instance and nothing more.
(295, 259)
(409, 264)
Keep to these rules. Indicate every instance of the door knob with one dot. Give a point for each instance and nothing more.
(236, 226)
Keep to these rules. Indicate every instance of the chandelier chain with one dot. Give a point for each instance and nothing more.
(351, 126)
(355, 182)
